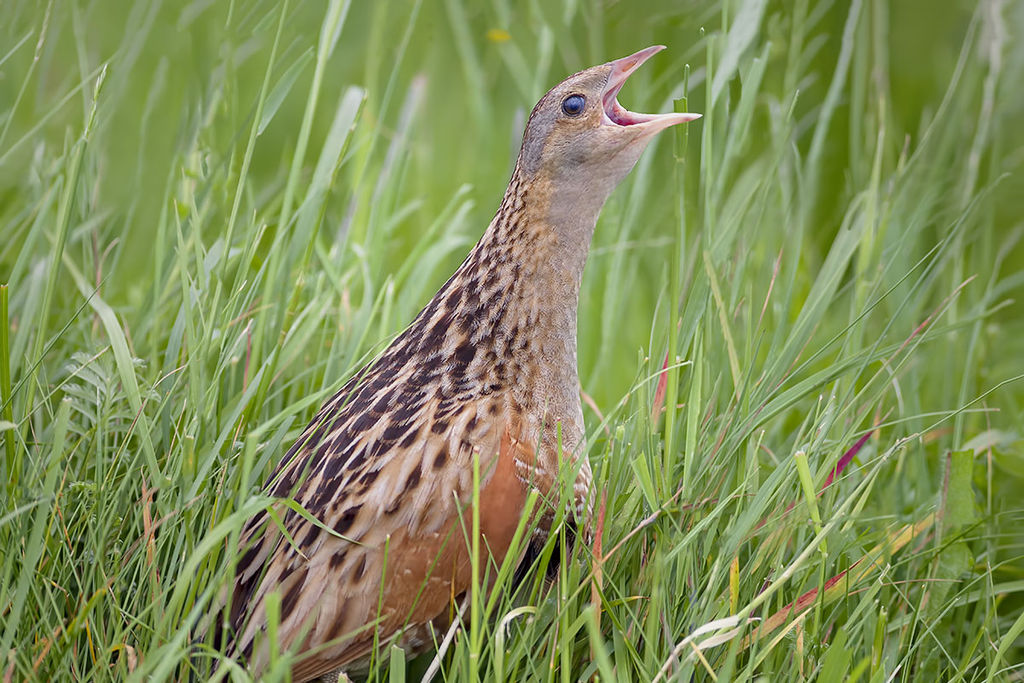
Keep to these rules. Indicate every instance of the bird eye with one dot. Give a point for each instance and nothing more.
(573, 105)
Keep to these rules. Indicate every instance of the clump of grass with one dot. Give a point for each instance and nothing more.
(798, 331)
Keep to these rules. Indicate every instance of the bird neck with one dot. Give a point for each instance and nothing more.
(545, 231)
(505, 322)
(536, 248)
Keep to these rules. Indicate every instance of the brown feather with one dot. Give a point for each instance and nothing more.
(486, 371)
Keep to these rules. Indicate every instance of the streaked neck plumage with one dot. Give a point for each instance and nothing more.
(515, 298)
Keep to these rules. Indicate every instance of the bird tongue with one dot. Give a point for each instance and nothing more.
(621, 70)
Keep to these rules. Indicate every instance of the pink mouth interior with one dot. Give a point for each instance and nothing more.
(617, 114)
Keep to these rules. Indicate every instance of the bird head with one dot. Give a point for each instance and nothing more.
(582, 140)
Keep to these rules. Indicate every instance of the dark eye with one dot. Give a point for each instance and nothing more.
(573, 105)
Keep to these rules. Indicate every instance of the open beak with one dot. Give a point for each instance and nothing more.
(617, 115)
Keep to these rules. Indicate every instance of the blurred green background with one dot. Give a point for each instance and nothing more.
(861, 161)
(177, 67)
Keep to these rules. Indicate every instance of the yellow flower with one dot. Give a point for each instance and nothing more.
(498, 35)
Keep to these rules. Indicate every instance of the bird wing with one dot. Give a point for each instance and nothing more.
(388, 469)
